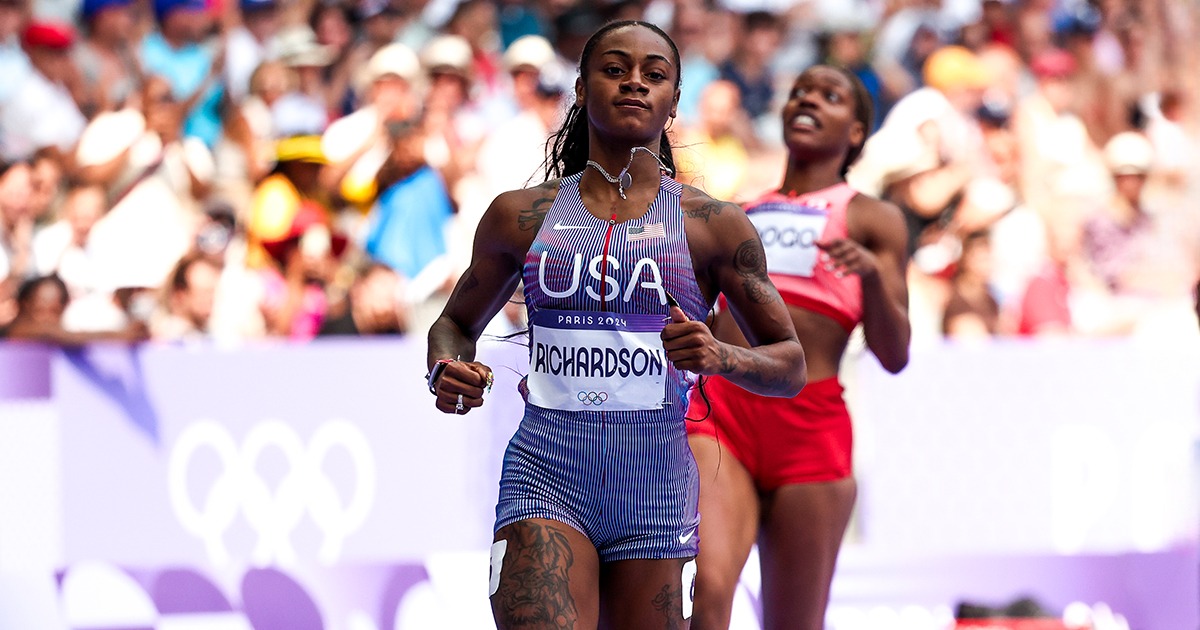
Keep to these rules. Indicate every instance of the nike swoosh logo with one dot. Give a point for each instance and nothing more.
(684, 538)
(560, 226)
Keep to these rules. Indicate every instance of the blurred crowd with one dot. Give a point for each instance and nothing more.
(238, 169)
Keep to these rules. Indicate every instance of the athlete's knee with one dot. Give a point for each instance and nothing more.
(713, 599)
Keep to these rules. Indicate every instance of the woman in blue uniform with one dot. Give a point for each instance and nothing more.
(597, 518)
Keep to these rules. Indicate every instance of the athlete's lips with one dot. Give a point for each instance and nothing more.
(632, 102)
(804, 121)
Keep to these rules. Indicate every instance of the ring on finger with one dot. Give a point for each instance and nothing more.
(458, 407)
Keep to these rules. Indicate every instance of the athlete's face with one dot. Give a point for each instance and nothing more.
(629, 84)
(819, 117)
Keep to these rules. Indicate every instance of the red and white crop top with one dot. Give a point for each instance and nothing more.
(790, 227)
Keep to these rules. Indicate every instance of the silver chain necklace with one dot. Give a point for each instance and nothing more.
(624, 180)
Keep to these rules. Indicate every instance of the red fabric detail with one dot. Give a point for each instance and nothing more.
(48, 35)
(1045, 301)
(780, 441)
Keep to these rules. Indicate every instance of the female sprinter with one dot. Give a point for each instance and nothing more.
(780, 472)
(596, 522)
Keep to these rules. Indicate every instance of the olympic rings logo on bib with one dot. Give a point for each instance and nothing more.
(593, 398)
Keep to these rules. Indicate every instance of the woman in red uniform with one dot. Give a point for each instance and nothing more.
(779, 470)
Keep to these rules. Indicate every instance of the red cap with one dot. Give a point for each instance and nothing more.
(1054, 63)
(54, 35)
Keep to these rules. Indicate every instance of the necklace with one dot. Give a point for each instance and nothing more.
(623, 179)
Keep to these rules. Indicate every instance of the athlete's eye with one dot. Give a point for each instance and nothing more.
(655, 75)
(797, 93)
(613, 70)
(833, 97)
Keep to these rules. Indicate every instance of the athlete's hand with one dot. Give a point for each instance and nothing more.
(844, 256)
(690, 345)
(465, 379)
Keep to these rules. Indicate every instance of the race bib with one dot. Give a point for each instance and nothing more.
(594, 361)
(790, 240)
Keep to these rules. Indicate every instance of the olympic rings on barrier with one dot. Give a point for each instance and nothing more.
(273, 514)
(593, 398)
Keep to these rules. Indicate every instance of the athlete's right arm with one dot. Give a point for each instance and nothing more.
(502, 239)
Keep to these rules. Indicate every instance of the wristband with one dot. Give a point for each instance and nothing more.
(432, 377)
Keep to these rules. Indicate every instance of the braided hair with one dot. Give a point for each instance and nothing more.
(567, 148)
(864, 112)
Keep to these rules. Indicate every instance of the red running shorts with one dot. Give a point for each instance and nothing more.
(806, 439)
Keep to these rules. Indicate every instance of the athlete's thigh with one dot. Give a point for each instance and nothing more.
(644, 594)
(549, 577)
(802, 528)
(729, 513)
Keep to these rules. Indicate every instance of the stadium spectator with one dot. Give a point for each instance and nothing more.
(1115, 238)
(406, 229)
(356, 146)
(749, 68)
(971, 311)
(42, 110)
(180, 53)
(374, 306)
(189, 301)
(60, 248)
(713, 155)
(107, 65)
(154, 177)
(16, 234)
(42, 302)
(249, 44)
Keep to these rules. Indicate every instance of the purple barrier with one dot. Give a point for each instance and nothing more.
(24, 371)
(317, 487)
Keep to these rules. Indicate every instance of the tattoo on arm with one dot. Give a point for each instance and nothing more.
(751, 365)
(750, 262)
(531, 219)
(705, 211)
(669, 602)
(534, 586)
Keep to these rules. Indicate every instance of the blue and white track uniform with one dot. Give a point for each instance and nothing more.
(602, 446)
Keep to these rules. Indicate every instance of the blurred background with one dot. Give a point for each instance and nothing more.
(192, 192)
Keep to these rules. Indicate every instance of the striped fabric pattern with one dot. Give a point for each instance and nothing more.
(627, 480)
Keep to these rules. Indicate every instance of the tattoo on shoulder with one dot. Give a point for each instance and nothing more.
(531, 218)
(669, 602)
(750, 262)
(534, 588)
(706, 210)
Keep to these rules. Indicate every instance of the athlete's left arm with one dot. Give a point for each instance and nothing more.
(736, 265)
(877, 252)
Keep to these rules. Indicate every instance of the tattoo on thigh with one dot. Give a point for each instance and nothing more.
(534, 589)
(669, 602)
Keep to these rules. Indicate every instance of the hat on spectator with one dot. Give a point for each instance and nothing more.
(395, 60)
(371, 8)
(309, 230)
(1054, 63)
(297, 47)
(250, 6)
(300, 149)
(951, 67)
(90, 8)
(46, 34)
(1129, 153)
(163, 8)
(447, 53)
(529, 51)
(298, 114)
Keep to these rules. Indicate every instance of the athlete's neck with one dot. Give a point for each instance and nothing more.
(613, 158)
(805, 176)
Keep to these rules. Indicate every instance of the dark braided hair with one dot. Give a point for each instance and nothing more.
(864, 112)
(567, 148)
